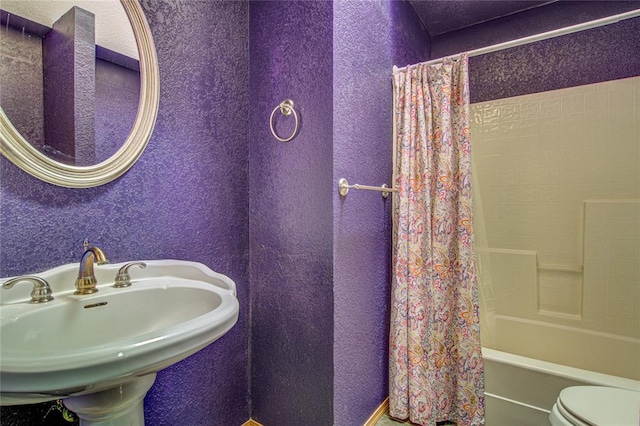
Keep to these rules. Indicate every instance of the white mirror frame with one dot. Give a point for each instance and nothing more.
(21, 153)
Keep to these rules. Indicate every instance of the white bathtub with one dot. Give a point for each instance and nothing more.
(521, 391)
(562, 344)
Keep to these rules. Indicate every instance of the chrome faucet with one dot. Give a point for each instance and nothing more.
(123, 279)
(86, 282)
(41, 292)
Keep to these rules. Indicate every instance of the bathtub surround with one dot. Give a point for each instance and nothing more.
(593, 56)
(558, 175)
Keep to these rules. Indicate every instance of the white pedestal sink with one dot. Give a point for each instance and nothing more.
(100, 352)
(119, 406)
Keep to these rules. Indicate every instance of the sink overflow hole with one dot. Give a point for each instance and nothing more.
(95, 305)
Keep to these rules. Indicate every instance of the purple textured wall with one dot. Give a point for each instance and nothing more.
(117, 89)
(364, 52)
(117, 94)
(319, 264)
(21, 82)
(601, 54)
(550, 17)
(290, 214)
(202, 170)
(441, 17)
(69, 71)
(186, 198)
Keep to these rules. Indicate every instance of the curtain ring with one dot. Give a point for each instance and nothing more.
(286, 108)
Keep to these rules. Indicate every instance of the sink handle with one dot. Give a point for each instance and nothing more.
(41, 292)
(123, 279)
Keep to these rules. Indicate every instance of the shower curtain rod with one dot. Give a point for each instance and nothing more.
(538, 37)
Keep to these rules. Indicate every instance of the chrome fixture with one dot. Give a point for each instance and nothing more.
(41, 292)
(123, 279)
(343, 188)
(286, 109)
(86, 282)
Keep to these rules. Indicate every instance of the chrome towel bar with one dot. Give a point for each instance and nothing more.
(343, 188)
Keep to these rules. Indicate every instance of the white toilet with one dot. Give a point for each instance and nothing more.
(596, 406)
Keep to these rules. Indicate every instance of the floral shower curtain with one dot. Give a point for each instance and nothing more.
(435, 359)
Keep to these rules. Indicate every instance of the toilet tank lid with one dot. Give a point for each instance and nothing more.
(602, 406)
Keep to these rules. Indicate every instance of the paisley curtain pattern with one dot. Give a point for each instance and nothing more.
(436, 369)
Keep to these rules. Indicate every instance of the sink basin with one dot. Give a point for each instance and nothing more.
(77, 345)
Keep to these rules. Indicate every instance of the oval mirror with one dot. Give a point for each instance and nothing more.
(17, 149)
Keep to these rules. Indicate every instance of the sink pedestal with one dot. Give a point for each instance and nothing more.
(119, 406)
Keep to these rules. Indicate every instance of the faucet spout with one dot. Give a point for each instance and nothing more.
(86, 282)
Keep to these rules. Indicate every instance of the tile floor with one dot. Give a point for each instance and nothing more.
(387, 421)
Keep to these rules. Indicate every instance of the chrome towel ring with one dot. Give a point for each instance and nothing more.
(286, 108)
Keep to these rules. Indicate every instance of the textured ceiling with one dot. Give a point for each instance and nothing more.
(442, 16)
